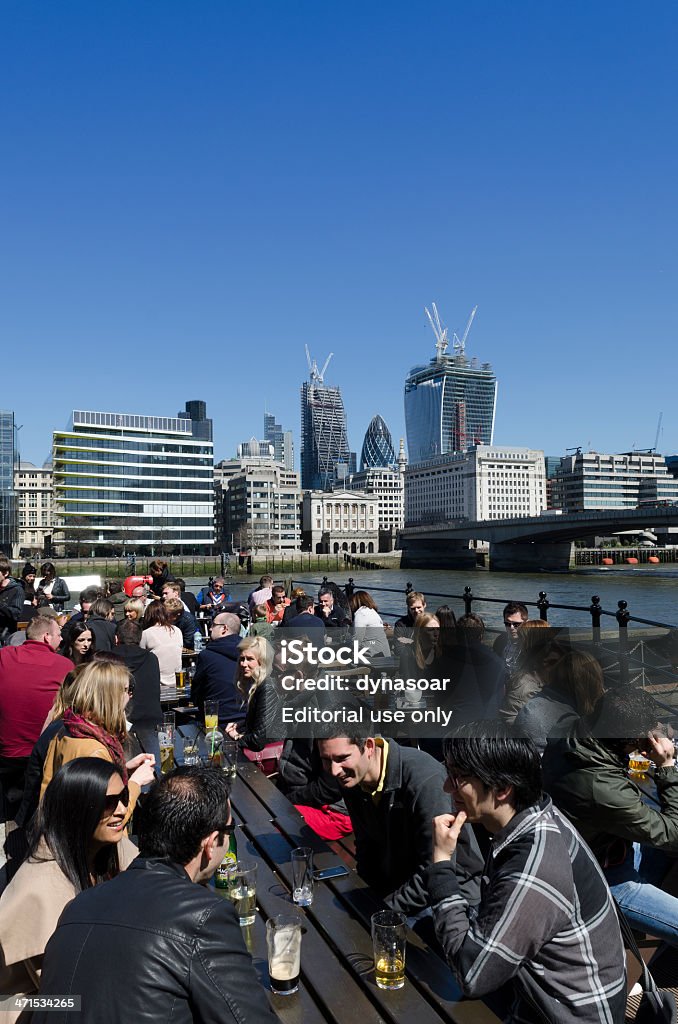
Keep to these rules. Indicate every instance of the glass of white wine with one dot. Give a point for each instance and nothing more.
(244, 891)
(388, 939)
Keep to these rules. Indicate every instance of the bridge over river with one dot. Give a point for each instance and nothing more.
(526, 543)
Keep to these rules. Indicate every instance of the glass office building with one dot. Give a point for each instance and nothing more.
(130, 483)
(325, 456)
(449, 406)
(377, 450)
(8, 463)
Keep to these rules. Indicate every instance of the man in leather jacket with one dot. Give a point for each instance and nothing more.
(150, 944)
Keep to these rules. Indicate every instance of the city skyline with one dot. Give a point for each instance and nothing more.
(193, 194)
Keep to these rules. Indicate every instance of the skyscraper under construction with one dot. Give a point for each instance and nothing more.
(449, 403)
(325, 456)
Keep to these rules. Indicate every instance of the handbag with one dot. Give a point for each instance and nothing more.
(657, 1005)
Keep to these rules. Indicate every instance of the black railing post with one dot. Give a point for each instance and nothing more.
(408, 588)
(349, 588)
(543, 606)
(468, 601)
(596, 611)
(623, 615)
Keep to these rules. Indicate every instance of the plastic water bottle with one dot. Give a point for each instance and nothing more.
(198, 641)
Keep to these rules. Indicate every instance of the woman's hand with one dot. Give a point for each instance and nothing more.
(232, 730)
(144, 774)
(140, 759)
(660, 749)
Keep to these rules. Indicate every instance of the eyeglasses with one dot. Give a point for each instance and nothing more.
(130, 688)
(112, 801)
(227, 829)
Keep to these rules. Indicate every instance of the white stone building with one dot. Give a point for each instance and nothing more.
(341, 520)
(489, 482)
(33, 488)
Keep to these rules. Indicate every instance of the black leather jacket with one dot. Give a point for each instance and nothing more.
(150, 945)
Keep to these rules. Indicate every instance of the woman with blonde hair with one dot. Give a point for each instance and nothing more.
(253, 680)
(94, 725)
(134, 609)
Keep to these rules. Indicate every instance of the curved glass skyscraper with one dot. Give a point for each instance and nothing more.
(449, 406)
(377, 450)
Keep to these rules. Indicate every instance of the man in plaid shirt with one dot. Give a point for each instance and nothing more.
(546, 923)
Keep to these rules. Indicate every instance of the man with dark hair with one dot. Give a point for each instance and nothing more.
(216, 668)
(546, 922)
(392, 793)
(11, 598)
(506, 645)
(101, 621)
(144, 710)
(178, 946)
(305, 617)
(477, 675)
(87, 598)
(587, 777)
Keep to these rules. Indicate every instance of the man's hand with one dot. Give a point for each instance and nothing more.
(660, 749)
(446, 829)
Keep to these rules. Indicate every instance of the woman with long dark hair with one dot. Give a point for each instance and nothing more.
(79, 644)
(78, 841)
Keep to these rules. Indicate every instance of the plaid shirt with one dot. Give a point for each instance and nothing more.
(546, 921)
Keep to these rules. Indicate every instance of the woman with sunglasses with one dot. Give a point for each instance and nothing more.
(78, 841)
(94, 725)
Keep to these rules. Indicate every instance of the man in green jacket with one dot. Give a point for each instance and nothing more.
(586, 776)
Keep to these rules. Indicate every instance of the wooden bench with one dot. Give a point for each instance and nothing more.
(337, 963)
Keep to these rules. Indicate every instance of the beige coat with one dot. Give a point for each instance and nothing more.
(30, 907)
(67, 748)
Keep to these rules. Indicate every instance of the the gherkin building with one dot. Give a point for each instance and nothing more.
(377, 450)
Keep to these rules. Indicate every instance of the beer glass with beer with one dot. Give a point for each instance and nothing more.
(388, 940)
(283, 939)
(166, 742)
(211, 715)
(244, 891)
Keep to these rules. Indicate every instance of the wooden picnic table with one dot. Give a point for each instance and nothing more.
(337, 970)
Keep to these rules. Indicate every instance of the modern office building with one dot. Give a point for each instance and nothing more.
(33, 487)
(387, 485)
(490, 482)
(589, 481)
(254, 449)
(262, 509)
(281, 440)
(344, 521)
(325, 456)
(377, 447)
(134, 483)
(449, 403)
(9, 457)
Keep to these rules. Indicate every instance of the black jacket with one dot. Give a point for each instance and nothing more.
(11, 604)
(262, 717)
(150, 945)
(393, 836)
(144, 707)
(60, 592)
(302, 779)
(104, 632)
(214, 678)
(187, 624)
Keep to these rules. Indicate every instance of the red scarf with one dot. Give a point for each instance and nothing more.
(81, 728)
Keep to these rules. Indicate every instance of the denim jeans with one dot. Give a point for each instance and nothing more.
(635, 884)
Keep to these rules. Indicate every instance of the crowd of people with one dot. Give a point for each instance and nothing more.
(505, 842)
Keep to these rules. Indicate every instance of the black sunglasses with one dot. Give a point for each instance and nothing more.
(112, 801)
(227, 829)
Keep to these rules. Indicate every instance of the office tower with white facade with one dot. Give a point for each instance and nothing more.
(590, 481)
(450, 402)
(134, 483)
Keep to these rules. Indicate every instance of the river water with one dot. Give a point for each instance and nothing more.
(650, 593)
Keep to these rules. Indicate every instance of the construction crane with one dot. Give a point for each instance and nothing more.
(316, 375)
(459, 344)
(438, 329)
(659, 427)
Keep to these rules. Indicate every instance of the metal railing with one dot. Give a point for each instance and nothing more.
(631, 662)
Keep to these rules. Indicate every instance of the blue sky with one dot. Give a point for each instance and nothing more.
(191, 192)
